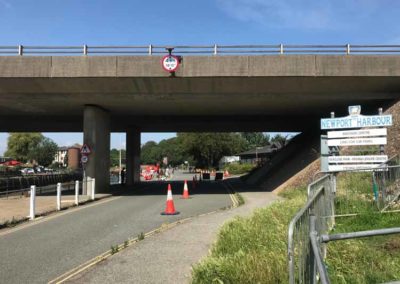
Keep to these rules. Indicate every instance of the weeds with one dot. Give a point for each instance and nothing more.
(114, 249)
(141, 236)
(239, 198)
(247, 247)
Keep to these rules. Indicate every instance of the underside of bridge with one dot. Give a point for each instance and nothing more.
(131, 94)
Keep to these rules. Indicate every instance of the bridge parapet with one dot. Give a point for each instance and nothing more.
(271, 49)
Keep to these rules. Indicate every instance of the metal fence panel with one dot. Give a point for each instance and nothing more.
(320, 203)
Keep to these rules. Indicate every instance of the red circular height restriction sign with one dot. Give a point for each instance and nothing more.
(170, 63)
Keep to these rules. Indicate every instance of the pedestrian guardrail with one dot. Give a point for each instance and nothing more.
(317, 267)
(214, 49)
(21, 184)
(319, 203)
(308, 230)
(387, 186)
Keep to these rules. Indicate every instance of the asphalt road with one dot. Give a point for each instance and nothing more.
(41, 252)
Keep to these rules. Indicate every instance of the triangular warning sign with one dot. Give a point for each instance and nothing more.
(85, 149)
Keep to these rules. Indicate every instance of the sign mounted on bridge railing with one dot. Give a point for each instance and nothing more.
(331, 161)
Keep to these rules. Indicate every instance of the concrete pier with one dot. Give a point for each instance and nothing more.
(132, 156)
(96, 134)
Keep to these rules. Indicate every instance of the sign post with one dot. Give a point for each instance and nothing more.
(85, 152)
(364, 131)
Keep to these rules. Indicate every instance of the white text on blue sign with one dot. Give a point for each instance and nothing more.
(358, 121)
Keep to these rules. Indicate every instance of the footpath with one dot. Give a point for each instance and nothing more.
(16, 208)
(167, 257)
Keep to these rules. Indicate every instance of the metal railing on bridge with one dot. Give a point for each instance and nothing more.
(215, 49)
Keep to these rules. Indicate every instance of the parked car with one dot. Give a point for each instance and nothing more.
(27, 171)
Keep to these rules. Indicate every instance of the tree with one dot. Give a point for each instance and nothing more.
(280, 139)
(208, 148)
(114, 157)
(20, 145)
(255, 139)
(43, 152)
(150, 153)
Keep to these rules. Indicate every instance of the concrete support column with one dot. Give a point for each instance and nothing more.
(96, 134)
(132, 156)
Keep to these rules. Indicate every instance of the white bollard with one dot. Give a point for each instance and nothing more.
(93, 186)
(32, 203)
(77, 192)
(59, 196)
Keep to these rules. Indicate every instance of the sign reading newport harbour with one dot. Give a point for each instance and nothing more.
(356, 121)
(370, 131)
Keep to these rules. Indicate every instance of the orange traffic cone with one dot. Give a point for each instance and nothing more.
(170, 208)
(226, 173)
(185, 194)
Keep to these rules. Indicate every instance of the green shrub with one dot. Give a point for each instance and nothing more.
(237, 169)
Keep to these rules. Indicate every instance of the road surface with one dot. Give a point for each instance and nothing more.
(41, 251)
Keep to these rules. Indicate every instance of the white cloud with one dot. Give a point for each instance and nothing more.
(309, 14)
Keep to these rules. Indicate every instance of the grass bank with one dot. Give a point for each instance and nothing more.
(254, 249)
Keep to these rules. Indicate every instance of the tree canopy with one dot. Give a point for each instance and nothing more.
(208, 148)
(31, 147)
(255, 139)
(202, 149)
(44, 151)
(114, 157)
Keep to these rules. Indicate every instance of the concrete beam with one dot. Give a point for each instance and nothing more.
(96, 134)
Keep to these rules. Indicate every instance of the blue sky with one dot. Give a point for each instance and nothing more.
(119, 22)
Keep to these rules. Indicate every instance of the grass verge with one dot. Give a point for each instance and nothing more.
(254, 249)
(251, 250)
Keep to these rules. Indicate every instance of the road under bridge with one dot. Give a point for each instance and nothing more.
(103, 94)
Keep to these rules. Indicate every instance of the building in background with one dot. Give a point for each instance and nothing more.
(60, 157)
(260, 155)
(74, 157)
(4, 159)
(227, 160)
(69, 156)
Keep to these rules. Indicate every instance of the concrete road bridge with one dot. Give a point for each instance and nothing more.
(99, 90)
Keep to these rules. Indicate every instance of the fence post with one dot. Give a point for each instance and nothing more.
(77, 192)
(59, 196)
(93, 187)
(32, 203)
(311, 258)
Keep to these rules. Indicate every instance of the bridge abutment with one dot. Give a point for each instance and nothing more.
(96, 134)
(132, 156)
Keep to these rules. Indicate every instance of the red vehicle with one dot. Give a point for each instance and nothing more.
(149, 171)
